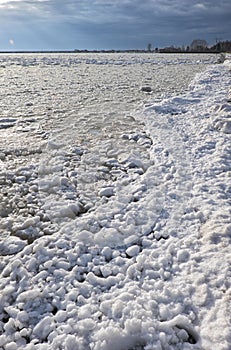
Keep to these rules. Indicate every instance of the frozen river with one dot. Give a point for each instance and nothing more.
(115, 202)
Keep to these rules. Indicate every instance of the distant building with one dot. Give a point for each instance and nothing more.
(198, 45)
(149, 47)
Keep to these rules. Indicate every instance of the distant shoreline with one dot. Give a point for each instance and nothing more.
(107, 51)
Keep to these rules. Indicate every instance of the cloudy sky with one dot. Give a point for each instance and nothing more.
(111, 24)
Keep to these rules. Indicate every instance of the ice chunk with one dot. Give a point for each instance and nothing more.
(146, 88)
(11, 245)
(106, 191)
(182, 255)
(133, 250)
(29, 295)
(44, 327)
(71, 342)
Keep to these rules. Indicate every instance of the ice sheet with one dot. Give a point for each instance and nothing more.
(138, 258)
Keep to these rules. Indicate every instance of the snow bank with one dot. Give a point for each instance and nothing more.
(142, 264)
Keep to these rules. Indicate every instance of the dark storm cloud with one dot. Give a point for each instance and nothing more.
(116, 10)
(134, 21)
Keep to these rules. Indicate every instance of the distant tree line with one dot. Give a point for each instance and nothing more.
(199, 45)
(222, 46)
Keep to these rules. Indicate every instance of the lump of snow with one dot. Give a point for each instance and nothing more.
(44, 327)
(61, 316)
(106, 191)
(106, 271)
(71, 342)
(84, 236)
(11, 245)
(11, 346)
(118, 339)
(22, 316)
(108, 236)
(84, 326)
(133, 250)
(107, 253)
(182, 255)
(29, 295)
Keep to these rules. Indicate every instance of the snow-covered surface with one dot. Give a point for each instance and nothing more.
(129, 249)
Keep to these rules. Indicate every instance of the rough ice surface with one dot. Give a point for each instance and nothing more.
(115, 239)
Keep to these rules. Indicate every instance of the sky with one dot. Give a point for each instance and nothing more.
(111, 24)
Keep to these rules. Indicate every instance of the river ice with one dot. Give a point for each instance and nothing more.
(115, 202)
